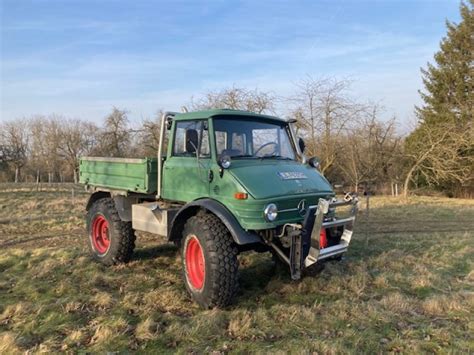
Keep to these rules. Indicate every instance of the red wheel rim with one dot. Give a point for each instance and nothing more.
(195, 266)
(100, 234)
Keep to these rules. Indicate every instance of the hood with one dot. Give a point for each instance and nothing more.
(273, 178)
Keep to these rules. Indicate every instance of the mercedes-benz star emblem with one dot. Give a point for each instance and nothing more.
(302, 207)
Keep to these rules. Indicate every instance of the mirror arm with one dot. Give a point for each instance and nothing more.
(295, 144)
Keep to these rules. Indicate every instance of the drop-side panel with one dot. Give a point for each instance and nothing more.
(135, 175)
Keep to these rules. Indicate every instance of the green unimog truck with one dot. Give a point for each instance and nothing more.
(228, 181)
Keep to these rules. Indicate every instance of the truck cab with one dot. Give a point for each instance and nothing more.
(227, 181)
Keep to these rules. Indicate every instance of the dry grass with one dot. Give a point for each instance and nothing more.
(404, 287)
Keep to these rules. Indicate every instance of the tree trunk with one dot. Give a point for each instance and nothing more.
(407, 181)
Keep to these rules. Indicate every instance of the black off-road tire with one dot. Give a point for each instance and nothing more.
(121, 234)
(220, 281)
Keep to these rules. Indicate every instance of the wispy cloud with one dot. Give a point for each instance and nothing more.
(66, 25)
(82, 57)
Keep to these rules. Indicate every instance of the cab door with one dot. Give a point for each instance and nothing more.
(186, 169)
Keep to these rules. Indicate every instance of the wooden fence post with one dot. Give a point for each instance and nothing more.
(367, 214)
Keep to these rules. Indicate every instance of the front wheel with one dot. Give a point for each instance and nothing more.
(111, 240)
(209, 257)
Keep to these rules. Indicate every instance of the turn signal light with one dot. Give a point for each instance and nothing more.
(323, 240)
(241, 195)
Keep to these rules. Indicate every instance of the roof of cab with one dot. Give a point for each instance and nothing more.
(223, 113)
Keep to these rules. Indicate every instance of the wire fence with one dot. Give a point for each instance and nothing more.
(9, 187)
(367, 223)
(70, 191)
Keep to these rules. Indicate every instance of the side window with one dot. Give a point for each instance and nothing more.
(197, 130)
(204, 147)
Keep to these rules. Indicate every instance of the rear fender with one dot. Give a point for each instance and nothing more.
(95, 197)
(122, 204)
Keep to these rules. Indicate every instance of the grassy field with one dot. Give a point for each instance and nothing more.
(406, 285)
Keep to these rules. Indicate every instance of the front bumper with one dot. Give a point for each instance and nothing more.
(306, 247)
(316, 253)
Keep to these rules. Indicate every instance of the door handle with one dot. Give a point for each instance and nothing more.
(210, 175)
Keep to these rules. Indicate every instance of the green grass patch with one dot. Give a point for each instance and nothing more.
(403, 287)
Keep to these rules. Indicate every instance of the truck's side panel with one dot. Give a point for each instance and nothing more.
(148, 217)
(135, 175)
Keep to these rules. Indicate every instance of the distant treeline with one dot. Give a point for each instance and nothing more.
(357, 148)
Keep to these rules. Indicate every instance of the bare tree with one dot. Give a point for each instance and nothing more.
(116, 138)
(237, 99)
(45, 133)
(149, 136)
(439, 153)
(369, 153)
(76, 138)
(14, 141)
(325, 111)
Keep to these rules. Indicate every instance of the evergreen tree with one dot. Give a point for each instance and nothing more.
(440, 151)
(449, 84)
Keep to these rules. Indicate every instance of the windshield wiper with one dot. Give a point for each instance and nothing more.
(243, 156)
(280, 157)
(262, 157)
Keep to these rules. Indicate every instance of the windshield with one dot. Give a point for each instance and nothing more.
(241, 138)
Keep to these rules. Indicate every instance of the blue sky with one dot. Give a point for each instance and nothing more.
(81, 57)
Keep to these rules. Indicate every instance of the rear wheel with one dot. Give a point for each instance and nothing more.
(111, 240)
(209, 257)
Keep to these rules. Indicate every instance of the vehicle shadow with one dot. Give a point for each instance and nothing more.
(255, 277)
(155, 251)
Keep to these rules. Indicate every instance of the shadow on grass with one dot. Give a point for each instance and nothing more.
(156, 251)
(256, 271)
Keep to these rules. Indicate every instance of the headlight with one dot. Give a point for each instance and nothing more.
(270, 212)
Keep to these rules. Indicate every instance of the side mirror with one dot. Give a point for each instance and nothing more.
(224, 161)
(169, 122)
(314, 162)
(301, 144)
(191, 139)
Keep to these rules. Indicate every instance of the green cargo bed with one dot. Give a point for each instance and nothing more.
(134, 175)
